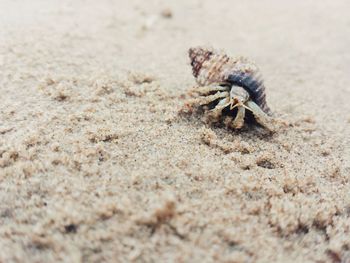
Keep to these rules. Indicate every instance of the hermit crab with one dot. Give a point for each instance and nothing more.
(228, 85)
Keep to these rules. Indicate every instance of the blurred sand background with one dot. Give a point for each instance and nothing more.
(96, 164)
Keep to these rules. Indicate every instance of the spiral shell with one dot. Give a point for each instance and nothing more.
(211, 67)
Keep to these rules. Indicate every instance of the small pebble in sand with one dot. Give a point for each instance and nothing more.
(228, 86)
(140, 78)
(167, 13)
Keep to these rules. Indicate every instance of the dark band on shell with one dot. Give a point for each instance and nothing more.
(252, 83)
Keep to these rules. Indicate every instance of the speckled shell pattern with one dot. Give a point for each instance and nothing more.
(211, 67)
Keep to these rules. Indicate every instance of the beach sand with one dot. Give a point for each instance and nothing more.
(97, 164)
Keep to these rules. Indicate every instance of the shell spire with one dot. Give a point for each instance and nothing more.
(213, 67)
(198, 56)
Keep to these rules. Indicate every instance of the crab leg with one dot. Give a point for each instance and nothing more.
(216, 112)
(206, 100)
(239, 119)
(260, 116)
(207, 89)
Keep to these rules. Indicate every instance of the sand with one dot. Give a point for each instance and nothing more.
(97, 164)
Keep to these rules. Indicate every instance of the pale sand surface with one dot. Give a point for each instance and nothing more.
(97, 165)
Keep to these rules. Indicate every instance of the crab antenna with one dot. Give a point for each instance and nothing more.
(247, 107)
(237, 103)
(232, 106)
